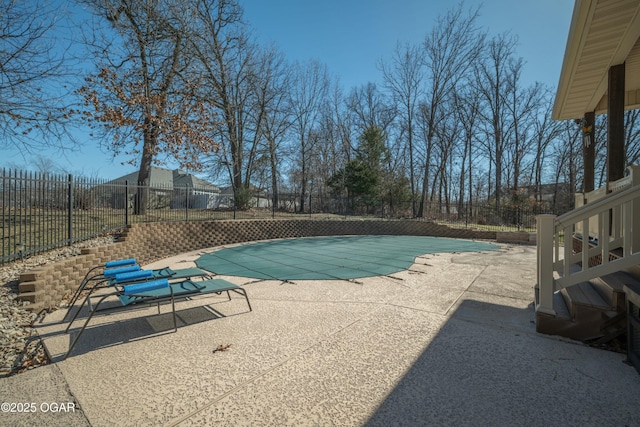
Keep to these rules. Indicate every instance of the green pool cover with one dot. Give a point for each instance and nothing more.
(326, 258)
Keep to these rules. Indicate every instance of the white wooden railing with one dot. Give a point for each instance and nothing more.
(613, 221)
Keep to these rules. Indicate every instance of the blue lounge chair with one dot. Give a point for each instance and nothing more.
(102, 272)
(131, 273)
(157, 291)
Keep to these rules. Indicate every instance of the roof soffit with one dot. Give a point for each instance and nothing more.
(603, 33)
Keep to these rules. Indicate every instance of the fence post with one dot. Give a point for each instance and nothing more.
(544, 268)
(186, 204)
(345, 204)
(70, 216)
(4, 206)
(235, 201)
(126, 202)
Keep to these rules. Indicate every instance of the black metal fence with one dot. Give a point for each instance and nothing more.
(481, 216)
(43, 211)
(485, 216)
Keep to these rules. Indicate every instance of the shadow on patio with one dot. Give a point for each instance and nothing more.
(487, 366)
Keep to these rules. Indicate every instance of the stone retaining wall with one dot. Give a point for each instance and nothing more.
(47, 285)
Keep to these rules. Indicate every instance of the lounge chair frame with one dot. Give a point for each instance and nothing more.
(200, 288)
(109, 279)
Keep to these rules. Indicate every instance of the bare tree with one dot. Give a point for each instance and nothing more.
(427, 124)
(404, 78)
(544, 132)
(600, 140)
(334, 148)
(226, 65)
(446, 137)
(371, 108)
(271, 95)
(631, 141)
(566, 161)
(523, 105)
(492, 86)
(451, 48)
(632, 136)
(466, 110)
(307, 95)
(258, 103)
(34, 70)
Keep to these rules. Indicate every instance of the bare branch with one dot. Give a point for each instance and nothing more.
(34, 74)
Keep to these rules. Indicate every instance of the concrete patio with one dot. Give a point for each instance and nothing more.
(451, 341)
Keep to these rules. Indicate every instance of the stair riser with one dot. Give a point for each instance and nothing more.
(585, 325)
(574, 306)
(605, 291)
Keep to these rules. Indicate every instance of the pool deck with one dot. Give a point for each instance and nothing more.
(451, 341)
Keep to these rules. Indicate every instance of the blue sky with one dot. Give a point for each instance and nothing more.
(352, 36)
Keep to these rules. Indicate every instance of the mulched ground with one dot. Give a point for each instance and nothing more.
(20, 346)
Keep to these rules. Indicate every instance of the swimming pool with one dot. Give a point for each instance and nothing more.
(331, 258)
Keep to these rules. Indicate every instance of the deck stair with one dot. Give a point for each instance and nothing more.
(580, 289)
(593, 310)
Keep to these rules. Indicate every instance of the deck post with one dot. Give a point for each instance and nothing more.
(588, 152)
(545, 250)
(634, 171)
(615, 123)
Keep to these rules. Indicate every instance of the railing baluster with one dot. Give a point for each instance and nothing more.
(556, 247)
(567, 254)
(605, 232)
(585, 244)
(627, 219)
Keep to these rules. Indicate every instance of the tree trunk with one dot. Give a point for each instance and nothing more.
(144, 173)
(303, 178)
(425, 182)
(274, 172)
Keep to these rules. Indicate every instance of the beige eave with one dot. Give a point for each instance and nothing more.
(603, 33)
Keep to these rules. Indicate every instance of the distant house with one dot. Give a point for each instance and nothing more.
(551, 194)
(175, 189)
(557, 195)
(259, 198)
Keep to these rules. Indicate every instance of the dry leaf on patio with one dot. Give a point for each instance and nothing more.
(222, 347)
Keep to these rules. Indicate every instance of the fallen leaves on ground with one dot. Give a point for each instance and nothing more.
(222, 347)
